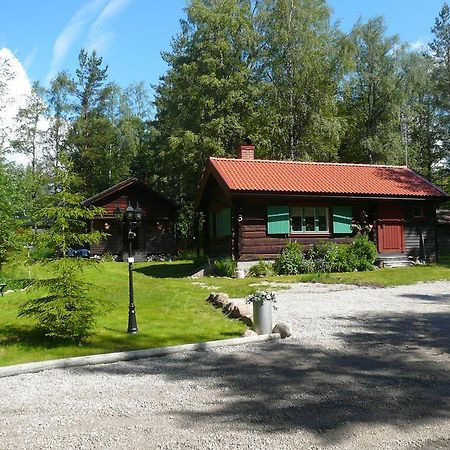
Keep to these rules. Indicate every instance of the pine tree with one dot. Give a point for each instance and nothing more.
(65, 310)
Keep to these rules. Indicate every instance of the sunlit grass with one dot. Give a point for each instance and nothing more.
(169, 311)
(170, 307)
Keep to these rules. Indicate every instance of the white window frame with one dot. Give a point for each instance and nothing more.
(302, 216)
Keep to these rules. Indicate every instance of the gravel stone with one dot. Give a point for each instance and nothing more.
(364, 368)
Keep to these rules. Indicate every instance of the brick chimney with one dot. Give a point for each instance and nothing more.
(246, 150)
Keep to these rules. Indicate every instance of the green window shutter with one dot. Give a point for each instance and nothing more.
(278, 219)
(342, 219)
(211, 225)
(219, 224)
(226, 222)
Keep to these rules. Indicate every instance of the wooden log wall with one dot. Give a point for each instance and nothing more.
(417, 246)
(254, 243)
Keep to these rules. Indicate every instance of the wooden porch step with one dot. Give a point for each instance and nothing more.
(393, 260)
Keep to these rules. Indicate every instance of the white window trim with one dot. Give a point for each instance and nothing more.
(327, 217)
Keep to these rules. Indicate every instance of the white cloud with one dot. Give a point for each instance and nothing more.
(18, 88)
(72, 31)
(98, 38)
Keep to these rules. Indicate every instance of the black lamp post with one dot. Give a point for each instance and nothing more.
(132, 218)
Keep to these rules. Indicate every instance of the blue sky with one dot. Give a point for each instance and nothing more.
(46, 35)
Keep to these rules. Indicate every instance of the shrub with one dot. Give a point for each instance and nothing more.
(364, 252)
(224, 267)
(323, 256)
(326, 256)
(290, 261)
(261, 269)
(39, 254)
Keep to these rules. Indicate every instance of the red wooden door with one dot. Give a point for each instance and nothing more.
(391, 236)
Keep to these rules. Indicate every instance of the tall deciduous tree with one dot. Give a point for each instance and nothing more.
(301, 62)
(5, 76)
(30, 127)
(206, 100)
(373, 97)
(58, 97)
(440, 53)
(419, 117)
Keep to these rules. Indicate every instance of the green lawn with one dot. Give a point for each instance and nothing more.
(170, 311)
(382, 277)
(170, 308)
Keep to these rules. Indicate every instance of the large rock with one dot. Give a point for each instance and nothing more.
(283, 329)
(221, 299)
(248, 320)
(228, 307)
(240, 309)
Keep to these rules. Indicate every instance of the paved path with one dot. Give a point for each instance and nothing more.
(366, 368)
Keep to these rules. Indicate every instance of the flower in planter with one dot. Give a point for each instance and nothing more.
(261, 296)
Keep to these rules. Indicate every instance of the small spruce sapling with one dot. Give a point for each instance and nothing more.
(65, 310)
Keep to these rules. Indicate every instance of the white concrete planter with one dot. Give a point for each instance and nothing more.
(262, 317)
(240, 273)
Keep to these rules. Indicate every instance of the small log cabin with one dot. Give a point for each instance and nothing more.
(252, 208)
(154, 236)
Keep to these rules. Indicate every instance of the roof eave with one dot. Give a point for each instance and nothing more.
(122, 185)
(211, 170)
(355, 196)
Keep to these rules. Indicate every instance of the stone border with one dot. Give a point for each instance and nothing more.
(107, 358)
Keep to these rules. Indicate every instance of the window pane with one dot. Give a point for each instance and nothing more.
(296, 219)
(308, 220)
(321, 215)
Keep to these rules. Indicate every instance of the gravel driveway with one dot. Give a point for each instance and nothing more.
(365, 368)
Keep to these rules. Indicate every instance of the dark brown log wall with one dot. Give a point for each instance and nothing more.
(156, 234)
(254, 243)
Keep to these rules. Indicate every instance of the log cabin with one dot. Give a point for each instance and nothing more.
(154, 236)
(251, 208)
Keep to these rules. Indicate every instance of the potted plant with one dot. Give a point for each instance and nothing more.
(263, 302)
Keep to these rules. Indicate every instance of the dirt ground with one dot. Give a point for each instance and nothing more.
(365, 368)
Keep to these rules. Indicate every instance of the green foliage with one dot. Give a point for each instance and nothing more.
(11, 223)
(327, 257)
(261, 269)
(205, 103)
(300, 64)
(373, 96)
(365, 253)
(65, 309)
(224, 267)
(290, 261)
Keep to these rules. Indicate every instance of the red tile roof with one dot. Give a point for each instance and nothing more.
(323, 178)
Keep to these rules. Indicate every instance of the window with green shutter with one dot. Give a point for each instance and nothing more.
(309, 219)
(342, 219)
(278, 219)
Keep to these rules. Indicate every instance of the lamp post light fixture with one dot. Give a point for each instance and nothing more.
(132, 218)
